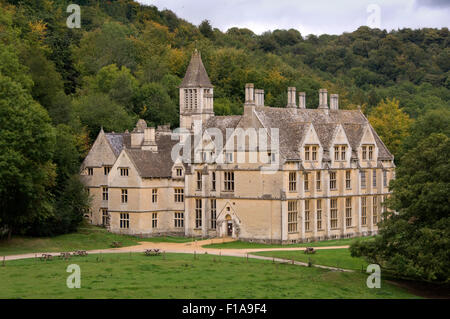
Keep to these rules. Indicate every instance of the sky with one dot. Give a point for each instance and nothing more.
(311, 16)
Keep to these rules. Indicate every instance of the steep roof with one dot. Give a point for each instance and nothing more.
(196, 75)
(293, 123)
(154, 164)
(118, 141)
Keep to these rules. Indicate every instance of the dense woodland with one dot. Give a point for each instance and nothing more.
(58, 86)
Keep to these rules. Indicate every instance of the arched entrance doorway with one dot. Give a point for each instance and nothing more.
(229, 222)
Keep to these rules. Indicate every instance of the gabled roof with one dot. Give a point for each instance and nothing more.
(292, 125)
(154, 164)
(196, 75)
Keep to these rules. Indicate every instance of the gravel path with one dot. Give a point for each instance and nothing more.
(197, 247)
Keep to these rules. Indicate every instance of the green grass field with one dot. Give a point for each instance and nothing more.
(246, 245)
(88, 237)
(180, 276)
(328, 257)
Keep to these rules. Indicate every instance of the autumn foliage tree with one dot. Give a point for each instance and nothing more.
(391, 123)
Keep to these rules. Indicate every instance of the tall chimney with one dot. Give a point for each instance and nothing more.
(150, 140)
(292, 97)
(323, 99)
(302, 100)
(249, 93)
(259, 97)
(334, 102)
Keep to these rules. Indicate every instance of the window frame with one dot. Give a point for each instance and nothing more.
(333, 180)
(124, 221)
(228, 181)
(334, 215)
(178, 193)
(124, 196)
(213, 212)
(292, 216)
(198, 213)
(178, 219)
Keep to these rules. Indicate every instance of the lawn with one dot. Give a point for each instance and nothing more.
(88, 237)
(246, 245)
(328, 257)
(180, 276)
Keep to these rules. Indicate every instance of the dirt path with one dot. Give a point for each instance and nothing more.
(197, 247)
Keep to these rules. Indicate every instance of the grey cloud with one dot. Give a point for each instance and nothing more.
(316, 17)
(434, 3)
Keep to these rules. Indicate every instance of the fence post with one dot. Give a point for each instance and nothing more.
(4, 261)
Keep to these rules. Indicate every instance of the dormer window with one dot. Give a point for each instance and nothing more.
(229, 157)
(90, 171)
(340, 152)
(367, 152)
(311, 152)
(106, 169)
(179, 172)
(123, 171)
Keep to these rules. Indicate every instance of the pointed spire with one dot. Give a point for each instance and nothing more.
(196, 75)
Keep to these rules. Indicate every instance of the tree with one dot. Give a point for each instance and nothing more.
(205, 28)
(414, 241)
(391, 124)
(433, 121)
(156, 106)
(27, 142)
(97, 110)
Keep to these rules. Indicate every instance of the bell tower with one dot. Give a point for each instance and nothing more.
(196, 94)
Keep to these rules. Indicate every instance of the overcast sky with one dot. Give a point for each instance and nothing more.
(311, 16)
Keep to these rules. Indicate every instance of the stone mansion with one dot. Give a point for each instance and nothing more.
(331, 178)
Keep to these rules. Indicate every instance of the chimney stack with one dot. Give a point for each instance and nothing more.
(323, 99)
(259, 97)
(150, 140)
(249, 93)
(302, 100)
(334, 102)
(292, 97)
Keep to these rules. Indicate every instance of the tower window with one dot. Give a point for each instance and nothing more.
(229, 181)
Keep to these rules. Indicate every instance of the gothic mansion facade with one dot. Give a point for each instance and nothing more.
(331, 178)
